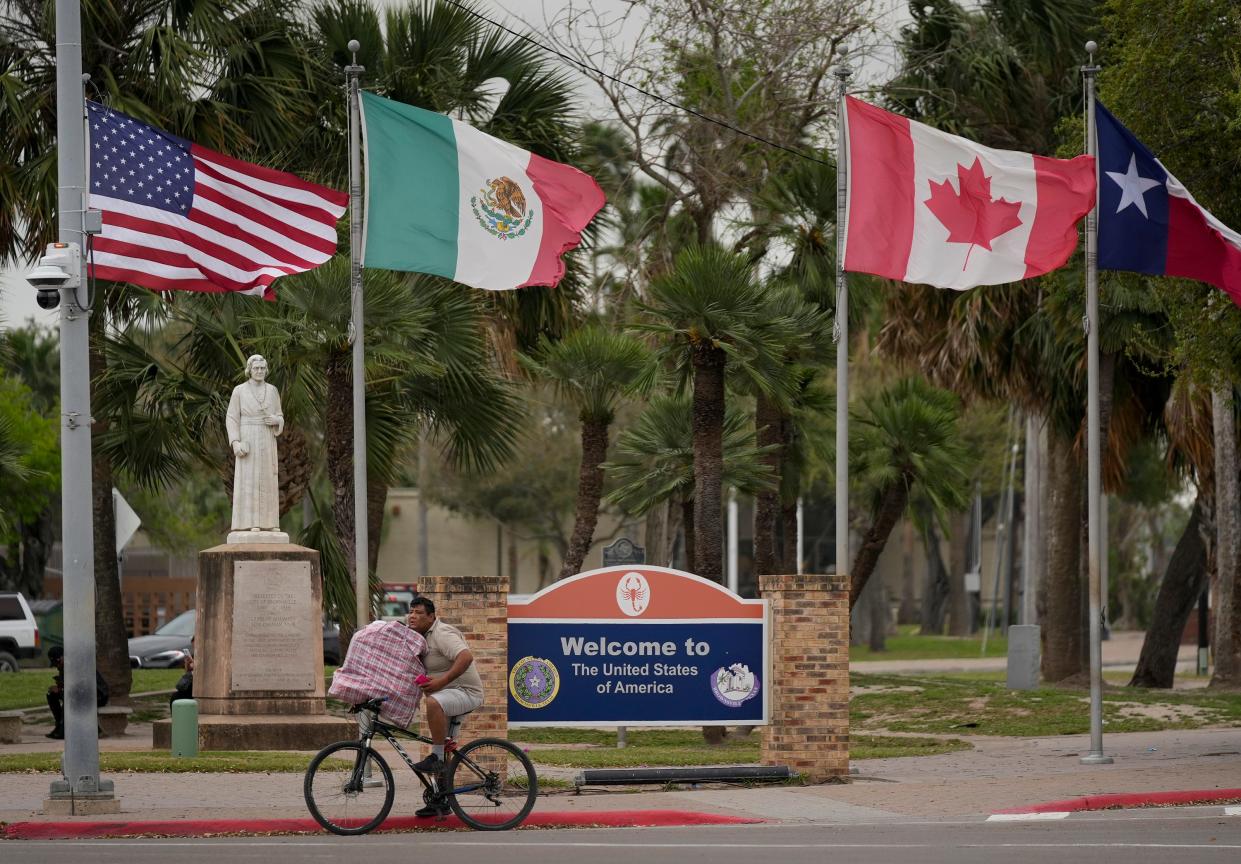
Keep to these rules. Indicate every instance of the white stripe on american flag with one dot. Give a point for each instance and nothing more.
(267, 207)
(170, 227)
(215, 265)
(288, 193)
(164, 271)
(180, 216)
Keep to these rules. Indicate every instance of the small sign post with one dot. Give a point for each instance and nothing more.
(623, 551)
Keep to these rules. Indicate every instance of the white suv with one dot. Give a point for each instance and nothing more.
(19, 636)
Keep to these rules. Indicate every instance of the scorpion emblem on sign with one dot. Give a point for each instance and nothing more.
(633, 594)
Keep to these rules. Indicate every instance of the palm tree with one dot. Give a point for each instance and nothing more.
(592, 368)
(907, 437)
(654, 465)
(712, 318)
(428, 368)
(232, 75)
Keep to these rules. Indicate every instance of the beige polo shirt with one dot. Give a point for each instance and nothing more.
(444, 643)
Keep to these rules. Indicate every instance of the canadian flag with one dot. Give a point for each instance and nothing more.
(928, 207)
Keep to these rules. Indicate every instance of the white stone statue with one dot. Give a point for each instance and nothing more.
(254, 421)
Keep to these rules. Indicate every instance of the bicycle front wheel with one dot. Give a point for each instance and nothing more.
(348, 788)
(493, 785)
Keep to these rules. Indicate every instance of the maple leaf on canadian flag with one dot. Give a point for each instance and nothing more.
(1009, 216)
(972, 216)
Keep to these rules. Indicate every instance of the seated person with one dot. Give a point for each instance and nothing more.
(56, 693)
(185, 684)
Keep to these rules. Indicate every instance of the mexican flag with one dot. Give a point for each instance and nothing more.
(445, 198)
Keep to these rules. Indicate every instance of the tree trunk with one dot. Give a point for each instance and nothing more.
(958, 561)
(589, 491)
(691, 537)
(111, 640)
(878, 617)
(1061, 615)
(376, 503)
(653, 534)
(708, 428)
(1179, 589)
(767, 423)
(788, 521)
(295, 466)
(1226, 641)
(908, 612)
(674, 513)
(338, 442)
(891, 507)
(935, 591)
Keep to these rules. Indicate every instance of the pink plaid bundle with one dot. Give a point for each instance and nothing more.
(383, 662)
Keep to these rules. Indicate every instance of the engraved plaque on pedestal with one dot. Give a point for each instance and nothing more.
(274, 626)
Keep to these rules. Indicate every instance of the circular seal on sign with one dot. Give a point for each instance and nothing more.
(534, 682)
(633, 594)
(734, 684)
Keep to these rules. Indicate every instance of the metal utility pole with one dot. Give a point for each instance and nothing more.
(81, 783)
(1096, 755)
(841, 327)
(361, 556)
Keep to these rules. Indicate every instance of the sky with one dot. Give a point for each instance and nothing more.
(17, 297)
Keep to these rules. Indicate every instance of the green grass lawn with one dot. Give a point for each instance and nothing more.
(28, 688)
(908, 645)
(977, 705)
(686, 750)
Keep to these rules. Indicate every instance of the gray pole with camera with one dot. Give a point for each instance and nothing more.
(61, 268)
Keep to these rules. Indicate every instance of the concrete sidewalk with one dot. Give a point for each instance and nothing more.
(998, 774)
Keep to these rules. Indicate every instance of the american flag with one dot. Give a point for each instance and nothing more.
(177, 216)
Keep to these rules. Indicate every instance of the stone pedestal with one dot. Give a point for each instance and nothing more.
(809, 729)
(478, 607)
(258, 651)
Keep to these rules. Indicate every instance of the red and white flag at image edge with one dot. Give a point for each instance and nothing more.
(937, 209)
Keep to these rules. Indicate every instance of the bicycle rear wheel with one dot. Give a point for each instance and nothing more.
(493, 785)
(341, 793)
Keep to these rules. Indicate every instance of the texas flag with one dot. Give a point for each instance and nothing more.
(1148, 221)
(928, 207)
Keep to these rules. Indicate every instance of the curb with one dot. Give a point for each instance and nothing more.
(264, 827)
(1128, 799)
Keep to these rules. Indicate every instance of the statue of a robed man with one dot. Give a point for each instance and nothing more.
(254, 421)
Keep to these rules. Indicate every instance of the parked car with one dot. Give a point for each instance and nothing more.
(19, 635)
(169, 645)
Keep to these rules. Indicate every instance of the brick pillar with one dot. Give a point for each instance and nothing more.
(478, 607)
(809, 729)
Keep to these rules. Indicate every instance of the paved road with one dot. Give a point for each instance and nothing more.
(1203, 834)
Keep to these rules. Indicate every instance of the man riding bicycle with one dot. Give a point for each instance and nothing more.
(455, 687)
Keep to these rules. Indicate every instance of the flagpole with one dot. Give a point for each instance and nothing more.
(841, 330)
(361, 571)
(1096, 755)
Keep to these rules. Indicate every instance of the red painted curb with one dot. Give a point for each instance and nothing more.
(215, 827)
(1129, 799)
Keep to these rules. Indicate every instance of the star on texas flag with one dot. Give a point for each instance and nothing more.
(1148, 221)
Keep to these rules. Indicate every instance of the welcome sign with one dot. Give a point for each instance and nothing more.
(637, 645)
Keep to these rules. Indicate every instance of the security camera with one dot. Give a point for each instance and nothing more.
(60, 267)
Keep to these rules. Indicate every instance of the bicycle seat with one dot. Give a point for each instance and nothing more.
(375, 705)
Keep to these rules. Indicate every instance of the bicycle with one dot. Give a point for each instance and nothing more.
(480, 783)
